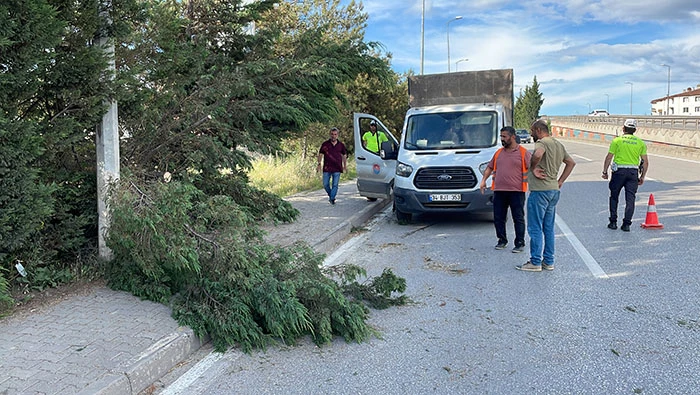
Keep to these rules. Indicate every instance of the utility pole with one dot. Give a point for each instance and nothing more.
(631, 88)
(668, 87)
(107, 141)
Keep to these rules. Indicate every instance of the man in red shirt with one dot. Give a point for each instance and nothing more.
(334, 156)
(509, 169)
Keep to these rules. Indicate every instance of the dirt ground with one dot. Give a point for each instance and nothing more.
(35, 301)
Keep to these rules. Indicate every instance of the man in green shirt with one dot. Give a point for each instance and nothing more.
(373, 139)
(544, 182)
(624, 153)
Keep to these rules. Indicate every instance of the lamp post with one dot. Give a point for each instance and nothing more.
(457, 63)
(631, 88)
(607, 107)
(668, 87)
(448, 40)
(422, 37)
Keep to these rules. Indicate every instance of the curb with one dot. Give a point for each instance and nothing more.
(341, 231)
(149, 366)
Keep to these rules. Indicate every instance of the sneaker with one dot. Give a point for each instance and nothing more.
(625, 227)
(518, 249)
(547, 267)
(501, 246)
(332, 201)
(612, 225)
(529, 267)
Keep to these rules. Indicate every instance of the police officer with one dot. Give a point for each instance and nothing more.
(625, 153)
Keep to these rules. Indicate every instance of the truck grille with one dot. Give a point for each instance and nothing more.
(445, 178)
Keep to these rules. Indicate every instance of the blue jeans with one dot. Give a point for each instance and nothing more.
(541, 210)
(331, 190)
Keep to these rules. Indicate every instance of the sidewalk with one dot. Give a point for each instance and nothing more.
(110, 342)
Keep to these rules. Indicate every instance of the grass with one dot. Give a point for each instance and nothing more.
(289, 175)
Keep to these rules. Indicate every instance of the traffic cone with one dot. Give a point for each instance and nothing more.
(652, 221)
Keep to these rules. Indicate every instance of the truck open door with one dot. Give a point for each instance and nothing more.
(375, 170)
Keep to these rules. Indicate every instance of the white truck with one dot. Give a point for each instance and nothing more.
(449, 135)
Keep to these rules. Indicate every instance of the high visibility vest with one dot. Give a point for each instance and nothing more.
(523, 166)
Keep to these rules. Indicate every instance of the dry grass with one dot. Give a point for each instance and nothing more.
(289, 175)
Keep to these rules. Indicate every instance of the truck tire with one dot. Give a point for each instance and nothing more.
(402, 217)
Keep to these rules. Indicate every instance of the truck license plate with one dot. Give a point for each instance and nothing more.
(445, 197)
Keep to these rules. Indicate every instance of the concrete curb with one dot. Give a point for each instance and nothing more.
(344, 228)
(149, 366)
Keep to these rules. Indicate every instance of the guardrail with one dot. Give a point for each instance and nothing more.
(651, 122)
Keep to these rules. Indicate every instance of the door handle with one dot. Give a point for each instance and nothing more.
(361, 158)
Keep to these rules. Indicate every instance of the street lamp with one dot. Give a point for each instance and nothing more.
(422, 37)
(668, 87)
(607, 108)
(631, 88)
(457, 63)
(448, 40)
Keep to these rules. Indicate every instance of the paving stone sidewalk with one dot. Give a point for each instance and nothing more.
(111, 342)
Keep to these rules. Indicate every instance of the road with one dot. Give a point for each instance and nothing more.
(620, 314)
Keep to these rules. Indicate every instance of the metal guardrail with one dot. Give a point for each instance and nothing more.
(652, 122)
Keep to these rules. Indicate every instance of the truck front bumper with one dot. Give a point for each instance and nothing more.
(417, 202)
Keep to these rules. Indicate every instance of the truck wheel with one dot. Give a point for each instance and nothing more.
(402, 217)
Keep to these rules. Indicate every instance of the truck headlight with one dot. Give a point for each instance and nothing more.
(403, 170)
(482, 167)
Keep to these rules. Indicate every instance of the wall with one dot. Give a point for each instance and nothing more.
(663, 135)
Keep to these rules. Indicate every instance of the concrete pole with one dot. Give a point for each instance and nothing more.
(107, 143)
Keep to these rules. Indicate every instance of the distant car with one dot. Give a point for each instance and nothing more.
(599, 113)
(523, 136)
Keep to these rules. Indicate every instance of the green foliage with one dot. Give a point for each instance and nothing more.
(53, 86)
(171, 241)
(376, 291)
(6, 300)
(528, 105)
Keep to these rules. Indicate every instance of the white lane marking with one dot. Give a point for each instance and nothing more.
(583, 157)
(183, 383)
(588, 259)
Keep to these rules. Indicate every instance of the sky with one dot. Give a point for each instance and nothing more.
(582, 52)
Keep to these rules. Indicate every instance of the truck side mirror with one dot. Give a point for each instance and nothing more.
(388, 150)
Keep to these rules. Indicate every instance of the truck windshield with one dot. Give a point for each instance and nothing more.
(463, 129)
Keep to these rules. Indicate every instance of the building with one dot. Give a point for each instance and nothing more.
(684, 103)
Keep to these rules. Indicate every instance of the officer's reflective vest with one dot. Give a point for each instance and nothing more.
(523, 165)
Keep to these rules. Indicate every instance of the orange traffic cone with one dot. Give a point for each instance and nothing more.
(652, 221)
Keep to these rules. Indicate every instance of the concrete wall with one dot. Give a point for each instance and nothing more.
(683, 142)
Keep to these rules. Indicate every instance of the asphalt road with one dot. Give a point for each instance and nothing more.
(620, 314)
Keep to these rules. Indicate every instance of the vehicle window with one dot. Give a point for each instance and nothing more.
(474, 129)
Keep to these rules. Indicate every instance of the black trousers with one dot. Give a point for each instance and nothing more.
(502, 200)
(623, 178)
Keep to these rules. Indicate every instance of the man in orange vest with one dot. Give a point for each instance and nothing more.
(509, 169)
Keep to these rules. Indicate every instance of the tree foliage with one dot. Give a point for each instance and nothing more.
(52, 85)
(173, 242)
(200, 85)
(528, 105)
